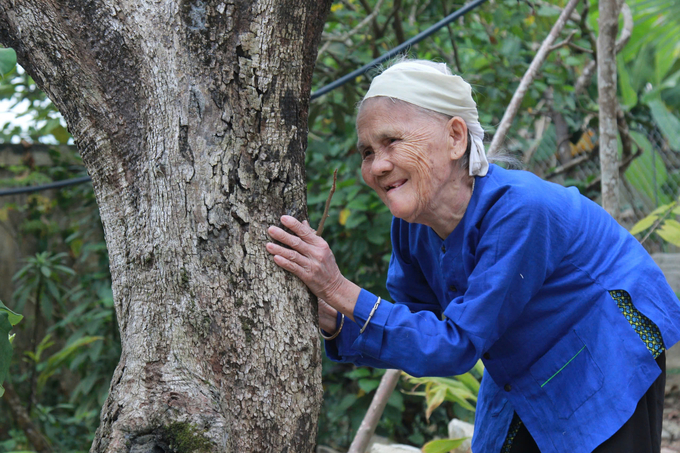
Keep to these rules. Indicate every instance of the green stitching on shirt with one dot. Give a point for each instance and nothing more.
(558, 371)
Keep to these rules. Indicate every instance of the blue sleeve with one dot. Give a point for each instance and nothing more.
(406, 284)
(519, 241)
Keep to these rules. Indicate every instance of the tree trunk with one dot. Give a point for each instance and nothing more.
(191, 117)
(606, 86)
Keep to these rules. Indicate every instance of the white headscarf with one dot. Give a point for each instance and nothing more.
(422, 83)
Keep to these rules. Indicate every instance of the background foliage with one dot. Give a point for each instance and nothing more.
(67, 346)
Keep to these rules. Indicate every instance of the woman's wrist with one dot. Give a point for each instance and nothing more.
(328, 323)
(344, 297)
(336, 330)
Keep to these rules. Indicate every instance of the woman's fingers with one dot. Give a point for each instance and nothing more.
(306, 255)
(288, 254)
(303, 230)
(288, 239)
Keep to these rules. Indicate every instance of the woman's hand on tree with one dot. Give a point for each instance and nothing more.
(309, 257)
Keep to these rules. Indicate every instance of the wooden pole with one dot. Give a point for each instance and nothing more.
(372, 417)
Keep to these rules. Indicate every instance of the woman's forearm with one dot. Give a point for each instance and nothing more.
(344, 297)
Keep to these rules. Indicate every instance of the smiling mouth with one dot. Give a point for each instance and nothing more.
(395, 185)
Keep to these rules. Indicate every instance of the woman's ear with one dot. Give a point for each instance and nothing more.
(457, 137)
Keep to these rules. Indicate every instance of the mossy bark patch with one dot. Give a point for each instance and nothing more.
(187, 438)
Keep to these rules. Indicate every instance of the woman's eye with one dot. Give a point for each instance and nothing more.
(366, 153)
(392, 140)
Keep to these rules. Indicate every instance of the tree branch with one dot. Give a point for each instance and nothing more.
(574, 163)
(367, 428)
(319, 230)
(453, 40)
(23, 419)
(396, 25)
(529, 76)
(587, 75)
(595, 183)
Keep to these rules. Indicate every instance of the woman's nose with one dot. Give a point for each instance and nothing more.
(380, 165)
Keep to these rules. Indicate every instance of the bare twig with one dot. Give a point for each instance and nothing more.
(529, 76)
(396, 22)
(412, 14)
(387, 384)
(587, 75)
(541, 125)
(453, 40)
(566, 42)
(344, 37)
(624, 133)
(348, 5)
(595, 183)
(579, 48)
(319, 230)
(627, 31)
(573, 163)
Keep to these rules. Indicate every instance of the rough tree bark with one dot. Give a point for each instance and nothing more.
(191, 117)
(606, 86)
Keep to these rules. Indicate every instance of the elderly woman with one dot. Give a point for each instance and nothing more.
(567, 311)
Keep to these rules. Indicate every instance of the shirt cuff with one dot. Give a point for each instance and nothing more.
(370, 342)
(340, 348)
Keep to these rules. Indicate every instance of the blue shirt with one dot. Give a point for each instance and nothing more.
(523, 283)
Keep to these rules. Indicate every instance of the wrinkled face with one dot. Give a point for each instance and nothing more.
(409, 159)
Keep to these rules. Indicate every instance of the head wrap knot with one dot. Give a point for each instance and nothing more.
(421, 84)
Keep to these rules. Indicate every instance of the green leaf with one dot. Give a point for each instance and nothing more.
(346, 403)
(664, 58)
(8, 60)
(359, 373)
(667, 122)
(5, 346)
(443, 445)
(470, 382)
(46, 271)
(630, 98)
(368, 385)
(459, 397)
(670, 231)
(14, 318)
(434, 400)
(58, 359)
(547, 11)
(643, 224)
(647, 169)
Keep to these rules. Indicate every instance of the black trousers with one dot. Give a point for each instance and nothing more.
(640, 434)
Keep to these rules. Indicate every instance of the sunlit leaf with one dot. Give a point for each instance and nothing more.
(443, 445)
(434, 400)
(670, 231)
(344, 215)
(643, 224)
(13, 318)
